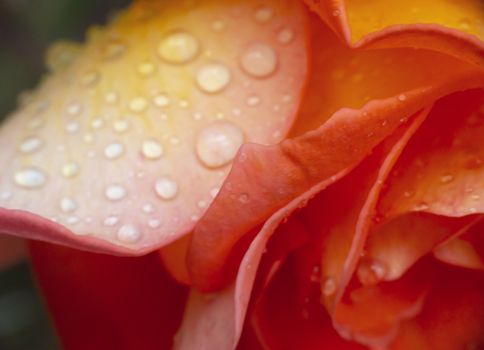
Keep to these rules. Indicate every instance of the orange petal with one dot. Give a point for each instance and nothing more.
(126, 143)
(103, 302)
(453, 28)
(12, 250)
(256, 188)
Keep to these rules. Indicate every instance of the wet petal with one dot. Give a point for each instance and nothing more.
(99, 301)
(304, 161)
(125, 145)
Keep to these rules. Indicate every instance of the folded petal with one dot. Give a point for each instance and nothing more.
(125, 144)
(256, 188)
(104, 302)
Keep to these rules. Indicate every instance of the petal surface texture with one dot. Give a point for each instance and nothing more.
(127, 141)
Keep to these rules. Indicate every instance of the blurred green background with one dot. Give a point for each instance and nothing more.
(27, 27)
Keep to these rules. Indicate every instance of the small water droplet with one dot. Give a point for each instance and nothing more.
(244, 198)
(371, 271)
(213, 77)
(161, 100)
(179, 47)
(138, 104)
(218, 25)
(446, 178)
(329, 287)
(148, 208)
(74, 108)
(90, 79)
(259, 60)
(72, 127)
(30, 145)
(402, 97)
(146, 68)
(218, 143)
(113, 49)
(111, 97)
(114, 150)
(121, 125)
(30, 178)
(73, 220)
(128, 234)
(253, 100)
(35, 123)
(285, 36)
(263, 14)
(115, 192)
(97, 123)
(422, 206)
(154, 223)
(70, 169)
(166, 188)
(68, 205)
(152, 149)
(111, 221)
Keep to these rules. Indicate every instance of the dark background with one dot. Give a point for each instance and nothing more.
(27, 27)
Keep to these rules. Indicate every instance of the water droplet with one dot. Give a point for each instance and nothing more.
(74, 108)
(115, 192)
(114, 150)
(73, 220)
(402, 97)
(253, 100)
(70, 169)
(151, 149)
(138, 104)
(285, 36)
(166, 188)
(67, 205)
(218, 143)
(179, 47)
(35, 123)
(421, 206)
(213, 77)
(371, 272)
(329, 287)
(128, 234)
(97, 123)
(30, 178)
(111, 221)
(111, 97)
(154, 223)
(30, 145)
(121, 125)
(218, 25)
(244, 198)
(161, 100)
(90, 79)
(447, 178)
(263, 14)
(148, 208)
(113, 50)
(72, 127)
(145, 68)
(259, 60)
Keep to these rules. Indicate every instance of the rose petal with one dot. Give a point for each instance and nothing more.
(256, 188)
(99, 301)
(130, 138)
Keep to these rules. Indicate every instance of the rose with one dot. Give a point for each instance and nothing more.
(348, 181)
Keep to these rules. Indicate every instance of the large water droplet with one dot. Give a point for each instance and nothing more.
(213, 77)
(128, 234)
(179, 47)
(259, 60)
(30, 178)
(218, 143)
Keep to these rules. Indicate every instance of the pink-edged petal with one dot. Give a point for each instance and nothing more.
(126, 143)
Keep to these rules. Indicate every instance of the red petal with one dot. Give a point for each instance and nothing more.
(12, 250)
(103, 302)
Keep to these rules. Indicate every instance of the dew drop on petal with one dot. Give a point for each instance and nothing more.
(70, 169)
(259, 60)
(111, 221)
(166, 188)
(138, 104)
(213, 77)
(30, 145)
(115, 192)
(128, 234)
(113, 150)
(67, 205)
(329, 287)
(263, 14)
(179, 47)
(121, 125)
(30, 178)
(285, 36)
(154, 223)
(218, 143)
(161, 100)
(151, 149)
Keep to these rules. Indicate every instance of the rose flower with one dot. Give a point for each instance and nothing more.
(255, 174)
